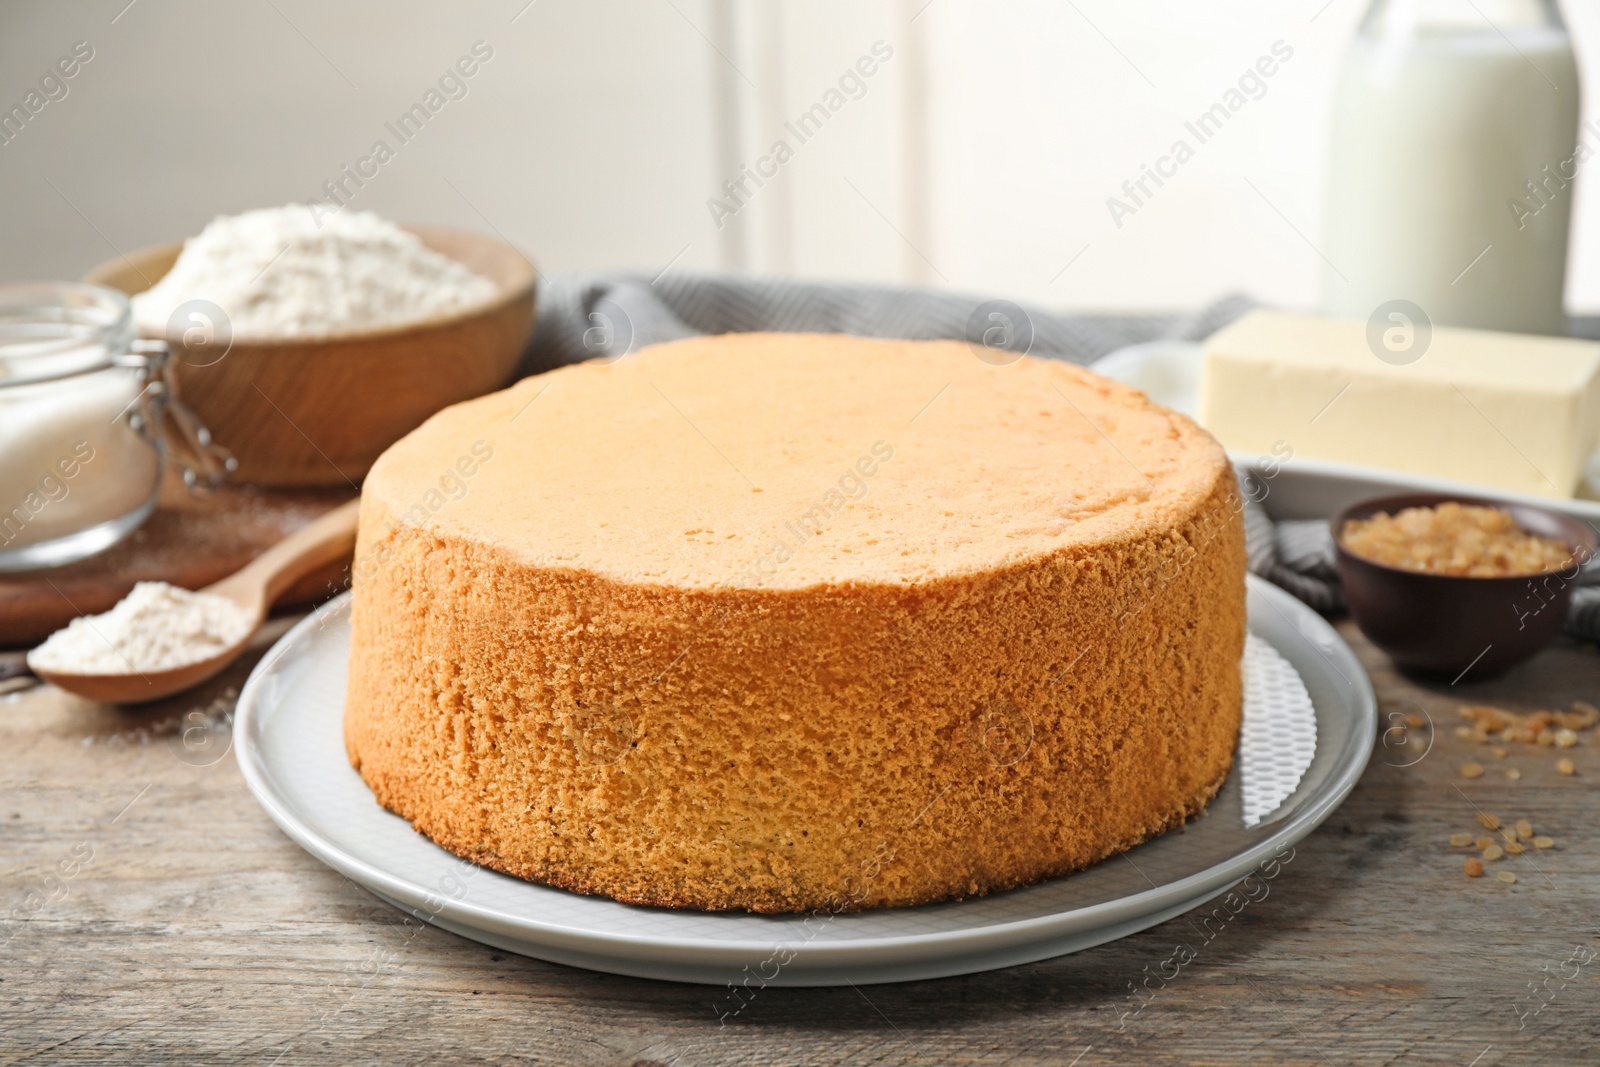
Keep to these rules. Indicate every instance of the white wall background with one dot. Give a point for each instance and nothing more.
(979, 157)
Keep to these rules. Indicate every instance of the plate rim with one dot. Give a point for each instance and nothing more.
(1349, 765)
(1393, 481)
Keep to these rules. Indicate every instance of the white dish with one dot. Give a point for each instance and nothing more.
(1297, 488)
(1167, 371)
(291, 749)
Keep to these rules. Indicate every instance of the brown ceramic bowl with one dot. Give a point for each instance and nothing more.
(1439, 625)
(318, 411)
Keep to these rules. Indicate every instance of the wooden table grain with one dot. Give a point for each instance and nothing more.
(150, 912)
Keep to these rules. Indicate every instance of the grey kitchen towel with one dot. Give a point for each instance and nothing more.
(1295, 554)
(609, 314)
(606, 315)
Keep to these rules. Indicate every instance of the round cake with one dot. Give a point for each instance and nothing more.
(789, 622)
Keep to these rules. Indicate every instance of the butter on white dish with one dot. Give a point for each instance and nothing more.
(1512, 411)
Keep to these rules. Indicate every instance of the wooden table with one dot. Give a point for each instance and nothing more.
(154, 914)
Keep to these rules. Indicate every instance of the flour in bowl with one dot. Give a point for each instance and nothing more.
(283, 273)
(157, 627)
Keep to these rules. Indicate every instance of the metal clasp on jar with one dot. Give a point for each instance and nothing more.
(203, 463)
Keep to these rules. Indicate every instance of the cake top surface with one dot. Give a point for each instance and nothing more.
(786, 461)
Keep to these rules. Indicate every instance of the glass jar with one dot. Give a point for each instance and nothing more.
(1455, 145)
(83, 406)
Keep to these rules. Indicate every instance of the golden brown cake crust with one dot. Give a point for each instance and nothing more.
(1014, 653)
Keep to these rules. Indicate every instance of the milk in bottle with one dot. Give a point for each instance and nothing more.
(1453, 157)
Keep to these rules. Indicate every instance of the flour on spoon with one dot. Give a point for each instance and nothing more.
(156, 627)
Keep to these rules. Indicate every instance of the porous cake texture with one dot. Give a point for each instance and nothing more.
(796, 622)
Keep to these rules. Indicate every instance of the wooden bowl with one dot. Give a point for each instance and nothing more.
(318, 412)
(1444, 625)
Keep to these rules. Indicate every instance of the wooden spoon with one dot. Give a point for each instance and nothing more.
(254, 589)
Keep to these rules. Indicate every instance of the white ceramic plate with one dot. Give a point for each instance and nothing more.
(290, 746)
(1169, 372)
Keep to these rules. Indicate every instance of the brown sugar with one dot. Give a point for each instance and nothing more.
(1542, 727)
(1455, 539)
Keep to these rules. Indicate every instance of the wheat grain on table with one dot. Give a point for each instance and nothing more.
(150, 912)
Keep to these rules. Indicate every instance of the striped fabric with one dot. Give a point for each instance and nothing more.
(1295, 554)
(607, 315)
(1583, 616)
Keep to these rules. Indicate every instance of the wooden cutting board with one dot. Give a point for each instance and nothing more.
(189, 541)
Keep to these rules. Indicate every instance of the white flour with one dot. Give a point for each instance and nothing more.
(277, 273)
(154, 628)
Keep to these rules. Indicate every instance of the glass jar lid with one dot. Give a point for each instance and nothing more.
(51, 330)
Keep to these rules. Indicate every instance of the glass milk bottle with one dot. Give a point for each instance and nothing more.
(1455, 145)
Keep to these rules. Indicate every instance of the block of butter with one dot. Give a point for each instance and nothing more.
(1504, 410)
